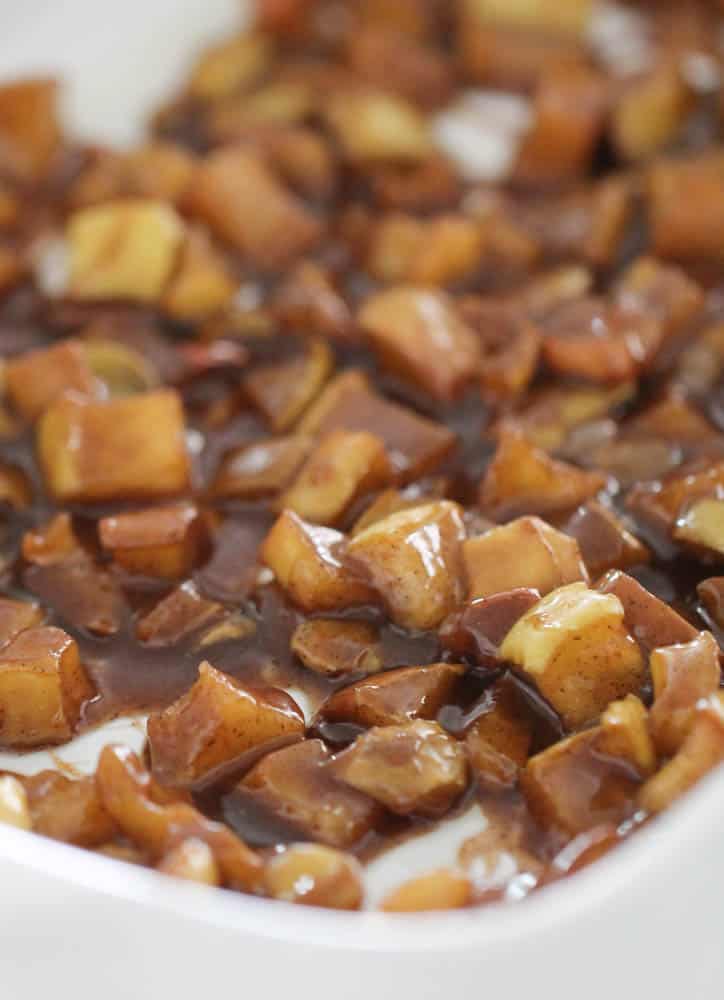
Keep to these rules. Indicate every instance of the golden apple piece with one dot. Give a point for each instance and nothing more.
(308, 300)
(499, 739)
(711, 594)
(121, 369)
(604, 540)
(68, 809)
(650, 112)
(541, 15)
(672, 297)
(263, 468)
(156, 822)
(177, 616)
(413, 560)
(575, 648)
(701, 751)
(35, 380)
(443, 889)
(682, 675)
(116, 449)
(15, 487)
(667, 503)
(265, 114)
(572, 787)
(395, 696)
(343, 467)
(414, 444)
(192, 860)
(232, 65)
(14, 809)
(411, 768)
(244, 204)
(522, 479)
(123, 249)
(16, 617)
(159, 169)
(282, 391)
(526, 553)
(401, 63)
(625, 734)
(219, 726)
(315, 876)
(702, 525)
(651, 621)
(685, 201)
(43, 688)
(417, 333)
(438, 252)
(202, 283)
(333, 646)
(297, 787)
(373, 125)
(161, 542)
(30, 131)
(306, 560)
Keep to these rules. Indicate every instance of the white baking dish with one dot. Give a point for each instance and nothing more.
(643, 922)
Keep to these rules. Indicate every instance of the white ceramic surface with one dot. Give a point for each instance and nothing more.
(645, 922)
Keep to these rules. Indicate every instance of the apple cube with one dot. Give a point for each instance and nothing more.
(682, 675)
(35, 380)
(575, 647)
(161, 542)
(332, 646)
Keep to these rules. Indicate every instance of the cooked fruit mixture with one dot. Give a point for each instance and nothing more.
(364, 429)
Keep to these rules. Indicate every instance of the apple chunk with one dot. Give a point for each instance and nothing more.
(120, 448)
(702, 525)
(124, 249)
(306, 561)
(526, 553)
(43, 688)
(220, 724)
(16, 617)
(413, 559)
(417, 333)
(574, 646)
(414, 767)
(344, 466)
(162, 542)
(36, 379)
(682, 674)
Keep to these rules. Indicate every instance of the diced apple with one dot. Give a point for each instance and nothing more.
(162, 542)
(571, 788)
(181, 613)
(649, 620)
(682, 674)
(230, 66)
(650, 112)
(16, 617)
(417, 334)
(373, 125)
(157, 822)
(246, 206)
(498, 740)
(702, 525)
(43, 688)
(29, 127)
(394, 696)
(306, 561)
(124, 249)
(262, 468)
(218, 726)
(132, 447)
(479, 628)
(604, 540)
(575, 647)
(35, 380)
(332, 646)
(344, 466)
(701, 751)
(413, 559)
(201, 284)
(413, 767)
(68, 809)
(297, 786)
(283, 390)
(686, 207)
(444, 889)
(522, 479)
(192, 860)
(315, 876)
(625, 734)
(414, 444)
(526, 553)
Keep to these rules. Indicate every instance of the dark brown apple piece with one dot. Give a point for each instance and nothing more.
(180, 614)
(650, 621)
(333, 646)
